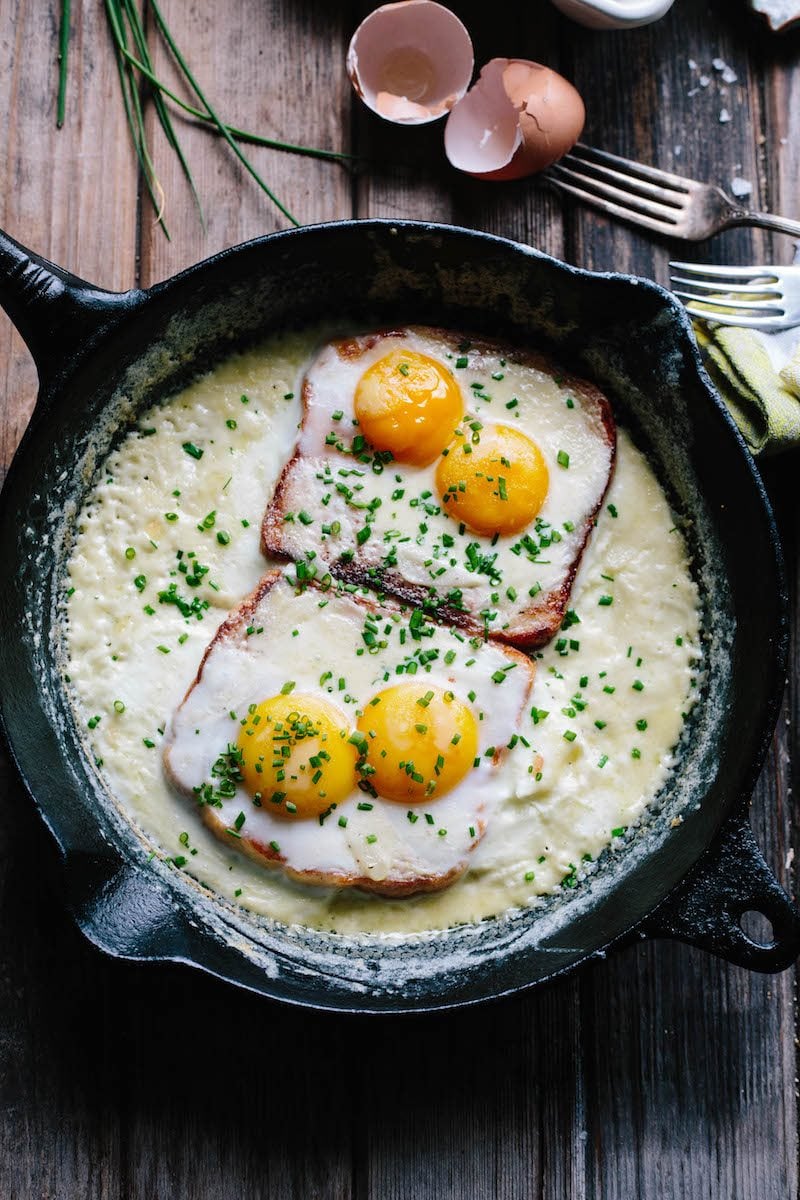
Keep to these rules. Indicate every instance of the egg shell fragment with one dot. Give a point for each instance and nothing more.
(410, 61)
(517, 119)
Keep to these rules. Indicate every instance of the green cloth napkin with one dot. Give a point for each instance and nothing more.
(758, 376)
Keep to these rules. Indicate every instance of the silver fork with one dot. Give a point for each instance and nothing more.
(665, 203)
(765, 298)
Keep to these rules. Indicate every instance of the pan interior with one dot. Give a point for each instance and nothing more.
(633, 343)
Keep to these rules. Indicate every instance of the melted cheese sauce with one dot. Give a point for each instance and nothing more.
(187, 489)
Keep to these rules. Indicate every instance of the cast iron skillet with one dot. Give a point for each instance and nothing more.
(689, 872)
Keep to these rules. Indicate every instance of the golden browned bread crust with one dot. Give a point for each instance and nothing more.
(263, 854)
(542, 619)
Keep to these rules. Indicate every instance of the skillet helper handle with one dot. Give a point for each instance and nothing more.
(57, 313)
(730, 880)
(122, 908)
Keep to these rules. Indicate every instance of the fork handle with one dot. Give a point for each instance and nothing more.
(764, 221)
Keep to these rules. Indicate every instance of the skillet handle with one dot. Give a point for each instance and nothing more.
(730, 880)
(58, 314)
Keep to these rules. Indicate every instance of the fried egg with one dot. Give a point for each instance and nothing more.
(450, 474)
(346, 742)
(130, 653)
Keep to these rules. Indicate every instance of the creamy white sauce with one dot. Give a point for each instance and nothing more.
(638, 655)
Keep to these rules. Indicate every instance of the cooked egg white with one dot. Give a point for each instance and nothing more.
(522, 434)
(608, 697)
(422, 718)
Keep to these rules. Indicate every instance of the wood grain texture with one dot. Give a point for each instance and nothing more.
(660, 1073)
(69, 193)
(273, 67)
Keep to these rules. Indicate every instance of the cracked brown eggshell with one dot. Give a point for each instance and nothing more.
(517, 119)
(410, 61)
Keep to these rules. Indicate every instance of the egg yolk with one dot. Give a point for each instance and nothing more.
(419, 742)
(409, 404)
(493, 478)
(297, 759)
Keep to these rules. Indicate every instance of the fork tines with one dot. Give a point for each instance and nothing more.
(630, 190)
(750, 297)
(726, 274)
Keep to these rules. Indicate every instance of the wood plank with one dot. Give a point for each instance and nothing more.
(480, 1104)
(668, 1118)
(231, 1096)
(275, 68)
(780, 148)
(71, 195)
(227, 1095)
(490, 1103)
(657, 98)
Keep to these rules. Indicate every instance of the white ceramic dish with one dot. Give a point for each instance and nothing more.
(614, 14)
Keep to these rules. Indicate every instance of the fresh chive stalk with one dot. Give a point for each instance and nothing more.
(134, 64)
(63, 62)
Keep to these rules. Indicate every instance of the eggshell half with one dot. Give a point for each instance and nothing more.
(411, 61)
(517, 119)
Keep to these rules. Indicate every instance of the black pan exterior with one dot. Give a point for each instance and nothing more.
(692, 868)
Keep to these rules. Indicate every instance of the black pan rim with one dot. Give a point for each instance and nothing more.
(780, 642)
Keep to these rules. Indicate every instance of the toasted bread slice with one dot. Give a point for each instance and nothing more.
(346, 649)
(374, 522)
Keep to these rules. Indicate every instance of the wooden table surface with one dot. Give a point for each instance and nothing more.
(658, 1073)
